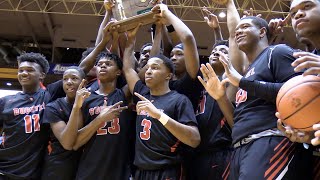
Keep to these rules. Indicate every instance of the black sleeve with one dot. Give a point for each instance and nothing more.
(51, 114)
(265, 90)
(56, 90)
(280, 61)
(140, 88)
(184, 112)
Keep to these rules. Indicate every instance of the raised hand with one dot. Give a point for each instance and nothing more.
(147, 106)
(111, 112)
(107, 30)
(211, 82)
(161, 11)
(233, 76)
(81, 95)
(308, 61)
(109, 4)
(211, 19)
(250, 13)
(293, 134)
(276, 25)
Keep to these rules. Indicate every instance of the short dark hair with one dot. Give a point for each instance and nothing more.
(144, 46)
(77, 68)
(36, 58)
(111, 56)
(166, 61)
(221, 42)
(261, 23)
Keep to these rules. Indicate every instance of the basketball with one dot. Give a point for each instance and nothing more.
(220, 2)
(298, 102)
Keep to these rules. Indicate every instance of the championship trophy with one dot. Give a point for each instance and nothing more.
(130, 13)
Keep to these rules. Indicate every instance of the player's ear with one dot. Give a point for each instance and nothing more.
(119, 72)
(42, 76)
(263, 32)
(169, 76)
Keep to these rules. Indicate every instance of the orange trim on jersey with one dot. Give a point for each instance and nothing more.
(174, 147)
(42, 86)
(181, 172)
(49, 147)
(316, 169)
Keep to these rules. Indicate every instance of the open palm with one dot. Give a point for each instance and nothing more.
(211, 82)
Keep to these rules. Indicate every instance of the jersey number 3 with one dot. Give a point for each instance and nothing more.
(30, 120)
(114, 129)
(145, 134)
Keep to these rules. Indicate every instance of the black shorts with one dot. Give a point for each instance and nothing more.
(210, 165)
(270, 157)
(170, 173)
(62, 166)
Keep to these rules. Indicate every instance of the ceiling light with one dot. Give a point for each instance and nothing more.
(9, 84)
(222, 14)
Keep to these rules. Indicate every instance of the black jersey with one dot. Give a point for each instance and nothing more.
(59, 163)
(255, 114)
(106, 155)
(156, 147)
(189, 87)
(25, 137)
(213, 127)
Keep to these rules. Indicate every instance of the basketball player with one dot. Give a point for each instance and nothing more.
(106, 150)
(24, 136)
(254, 121)
(165, 118)
(305, 18)
(63, 115)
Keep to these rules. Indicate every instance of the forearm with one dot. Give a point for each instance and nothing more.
(217, 34)
(157, 41)
(189, 135)
(87, 64)
(128, 67)
(191, 55)
(104, 22)
(85, 133)
(115, 45)
(233, 17)
(265, 90)
(167, 43)
(227, 109)
(69, 134)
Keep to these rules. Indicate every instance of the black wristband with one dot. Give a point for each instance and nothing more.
(170, 28)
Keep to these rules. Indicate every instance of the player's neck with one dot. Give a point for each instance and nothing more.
(160, 90)
(106, 88)
(70, 100)
(316, 42)
(255, 52)
(30, 89)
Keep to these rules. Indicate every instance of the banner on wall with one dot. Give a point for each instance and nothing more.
(59, 68)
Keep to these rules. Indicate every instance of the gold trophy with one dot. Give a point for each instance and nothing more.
(130, 13)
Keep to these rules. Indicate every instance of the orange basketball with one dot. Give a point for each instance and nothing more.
(298, 102)
(220, 2)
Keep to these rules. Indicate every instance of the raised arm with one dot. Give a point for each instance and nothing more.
(87, 64)
(185, 35)
(108, 4)
(129, 60)
(213, 22)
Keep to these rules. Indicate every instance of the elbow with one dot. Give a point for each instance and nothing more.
(75, 148)
(67, 146)
(195, 140)
(188, 38)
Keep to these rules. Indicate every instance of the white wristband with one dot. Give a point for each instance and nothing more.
(164, 118)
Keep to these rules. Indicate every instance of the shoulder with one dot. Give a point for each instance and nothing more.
(280, 49)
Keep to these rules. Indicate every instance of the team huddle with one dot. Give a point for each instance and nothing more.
(164, 116)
